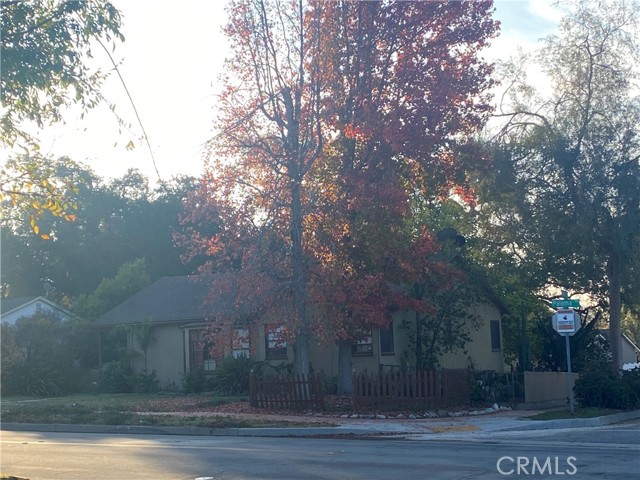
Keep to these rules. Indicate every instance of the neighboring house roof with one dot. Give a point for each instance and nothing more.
(605, 332)
(8, 305)
(169, 299)
(11, 306)
(635, 347)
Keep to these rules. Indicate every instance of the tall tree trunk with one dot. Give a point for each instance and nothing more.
(615, 311)
(419, 346)
(524, 350)
(301, 343)
(418, 292)
(344, 367)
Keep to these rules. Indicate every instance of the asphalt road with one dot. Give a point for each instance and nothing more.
(611, 452)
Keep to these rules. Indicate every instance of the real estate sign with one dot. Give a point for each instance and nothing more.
(566, 321)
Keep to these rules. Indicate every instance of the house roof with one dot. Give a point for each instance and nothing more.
(605, 332)
(183, 299)
(10, 305)
(169, 299)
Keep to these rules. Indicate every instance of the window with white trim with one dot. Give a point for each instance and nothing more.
(496, 344)
(364, 346)
(199, 357)
(276, 345)
(387, 344)
(240, 343)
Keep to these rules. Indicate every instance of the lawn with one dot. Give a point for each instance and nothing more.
(578, 413)
(131, 409)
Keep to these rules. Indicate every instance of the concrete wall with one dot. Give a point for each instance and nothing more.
(546, 388)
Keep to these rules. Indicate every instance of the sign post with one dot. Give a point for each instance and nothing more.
(566, 321)
(569, 379)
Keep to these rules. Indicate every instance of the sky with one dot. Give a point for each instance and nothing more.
(170, 62)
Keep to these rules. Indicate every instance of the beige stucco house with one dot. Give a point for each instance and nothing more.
(180, 309)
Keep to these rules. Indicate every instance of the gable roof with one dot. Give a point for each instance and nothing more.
(606, 332)
(8, 305)
(169, 299)
(12, 305)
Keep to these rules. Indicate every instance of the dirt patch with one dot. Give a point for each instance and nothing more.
(454, 428)
(265, 418)
(338, 411)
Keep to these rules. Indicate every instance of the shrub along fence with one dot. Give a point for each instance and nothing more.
(430, 389)
(293, 392)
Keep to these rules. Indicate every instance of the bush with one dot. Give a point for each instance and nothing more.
(37, 357)
(330, 384)
(116, 377)
(147, 382)
(34, 379)
(193, 381)
(232, 375)
(599, 387)
(489, 386)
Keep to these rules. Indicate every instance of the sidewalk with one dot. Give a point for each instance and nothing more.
(456, 427)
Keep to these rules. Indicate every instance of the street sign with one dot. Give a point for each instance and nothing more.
(566, 321)
(565, 303)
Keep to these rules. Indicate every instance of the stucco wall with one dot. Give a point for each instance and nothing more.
(629, 353)
(478, 351)
(546, 387)
(165, 356)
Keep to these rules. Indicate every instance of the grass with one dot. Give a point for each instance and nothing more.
(578, 413)
(125, 409)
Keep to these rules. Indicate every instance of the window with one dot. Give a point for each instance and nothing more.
(240, 342)
(199, 358)
(496, 345)
(363, 346)
(276, 346)
(387, 346)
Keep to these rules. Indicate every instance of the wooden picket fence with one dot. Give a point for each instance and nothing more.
(429, 389)
(291, 392)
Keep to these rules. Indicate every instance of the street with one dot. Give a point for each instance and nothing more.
(611, 452)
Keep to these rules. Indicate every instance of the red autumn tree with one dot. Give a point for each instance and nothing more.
(407, 89)
(335, 115)
(270, 137)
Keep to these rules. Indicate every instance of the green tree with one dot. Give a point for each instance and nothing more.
(110, 229)
(44, 70)
(566, 195)
(131, 278)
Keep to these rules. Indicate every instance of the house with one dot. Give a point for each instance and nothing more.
(176, 309)
(180, 310)
(629, 351)
(11, 309)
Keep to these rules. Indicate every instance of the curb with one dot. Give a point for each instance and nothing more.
(342, 430)
(578, 422)
(196, 431)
